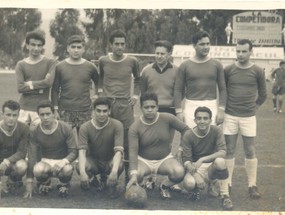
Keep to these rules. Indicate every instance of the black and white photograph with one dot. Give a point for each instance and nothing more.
(142, 107)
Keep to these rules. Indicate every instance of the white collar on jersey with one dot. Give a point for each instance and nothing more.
(28, 60)
(8, 133)
(112, 59)
(98, 127)
(200, 61)
(200, 135)
(47, 131)
(144, 122)
(244, 67)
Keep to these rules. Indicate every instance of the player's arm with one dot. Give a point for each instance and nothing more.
(101, 76)
(48, 80)
(222, 94)
(133, 154)
(118, 150)
(143, 81)
(136, 75)
(22, 147)
(55, 91)
(95, 79)
(22, 85)
(261, 86)
(186, 147)
(179, 88)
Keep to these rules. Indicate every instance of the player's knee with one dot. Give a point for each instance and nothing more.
(189, 182)
(41, 169)
(249, 152)
(177, 174)
(220, 164)
(21, 167)
(67, 170)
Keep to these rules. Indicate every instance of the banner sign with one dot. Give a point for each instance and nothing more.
(262, 28)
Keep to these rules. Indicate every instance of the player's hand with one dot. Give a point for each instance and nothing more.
(112, 179)
(3, 168)
(133, 180)
(220, 116)
(56, 115)
(94, 97)
(133, 100)
(59, 165)
(180, 116)
(84, 181)
(29, 190)
(179, 156)
(191, 169)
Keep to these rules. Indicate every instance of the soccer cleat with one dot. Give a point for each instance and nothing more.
(194, 195)
(44, 187)
(253, 192)
(164, 192)
(279, 111)
(227, 203)
(149, 184)
(99, 185)
(176, 188)
(274, 109)
(12, 186)
(112, 192)
(63, 190)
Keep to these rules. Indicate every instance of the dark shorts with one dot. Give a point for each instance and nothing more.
(122, 111)
(75, 118)
(278, 90)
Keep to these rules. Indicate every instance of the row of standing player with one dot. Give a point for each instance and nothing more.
(199, 76)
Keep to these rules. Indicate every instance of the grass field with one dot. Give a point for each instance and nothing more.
(270, 146)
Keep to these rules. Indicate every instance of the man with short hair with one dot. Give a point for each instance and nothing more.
(71, 87)
(117, 70)
(159, 77)
(278, 88)
(51, 151)
(204, 149)
(13, 147)
(149, 146)
(35, 76)
(101, 149)
(246, 89)
(199, 77)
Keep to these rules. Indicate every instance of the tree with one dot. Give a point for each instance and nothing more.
(65, 24)
(15, 23)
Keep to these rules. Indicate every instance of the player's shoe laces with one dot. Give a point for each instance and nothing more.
(44, 187)
(226, 202)
(164, 192)
(194, 195)
(253, 192)
(213, 188)
(150, 183)
(63, 190)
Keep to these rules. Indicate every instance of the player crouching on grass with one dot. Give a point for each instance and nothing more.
(203, 155)
(51, 151)
(149, 145)
(13, 147)
(101, 149)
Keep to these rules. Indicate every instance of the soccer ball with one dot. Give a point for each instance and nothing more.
(136, 196)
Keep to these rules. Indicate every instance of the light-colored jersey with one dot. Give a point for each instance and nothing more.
(196, 146)
(200, 79)
(246, 88)
(116, 76)
(101, 143)
(160, 82)
(152, 141)
(14, 146)
(72, 84)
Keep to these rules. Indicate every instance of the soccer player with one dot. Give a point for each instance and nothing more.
(13, 147)
(278, 89)
(149, 146)
(101, 148)
(204, 149)
(117, 71)
(51, 151)
(199, 78)
(35, 76)
(246, 89)
(71, 87)
(159, 77)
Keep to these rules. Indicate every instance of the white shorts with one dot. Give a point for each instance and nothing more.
(203, 170)
(246, 125)
(29, 117)
(154, 165)
(192, 105)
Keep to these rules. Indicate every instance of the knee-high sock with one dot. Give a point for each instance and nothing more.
(274, 101)
(224, 184)
(280, 104)
(251, 170)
